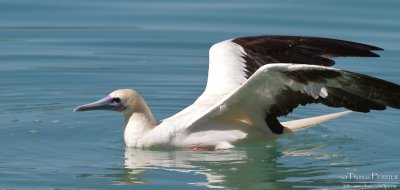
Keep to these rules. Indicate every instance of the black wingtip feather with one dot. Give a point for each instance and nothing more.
(372, 48)
(372, 54)
(354, 91)
(261, 50)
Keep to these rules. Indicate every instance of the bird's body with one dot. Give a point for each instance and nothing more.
(251, 82)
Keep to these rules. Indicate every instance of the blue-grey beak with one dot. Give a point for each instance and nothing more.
(107, 103)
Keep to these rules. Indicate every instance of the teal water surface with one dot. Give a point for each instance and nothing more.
(56, 55)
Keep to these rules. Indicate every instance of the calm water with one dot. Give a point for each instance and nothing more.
(56, 55)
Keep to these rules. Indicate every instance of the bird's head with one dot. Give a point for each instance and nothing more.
(123, 100)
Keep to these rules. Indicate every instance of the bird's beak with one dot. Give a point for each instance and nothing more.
(102, 104)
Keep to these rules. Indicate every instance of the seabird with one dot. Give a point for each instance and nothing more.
(251, 82)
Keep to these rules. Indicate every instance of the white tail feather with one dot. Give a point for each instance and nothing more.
(299, 124)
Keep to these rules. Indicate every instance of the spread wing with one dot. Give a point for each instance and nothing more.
(233, 61)
(276, 89)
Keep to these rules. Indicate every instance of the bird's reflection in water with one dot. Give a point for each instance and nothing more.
(263, 165)
(138, 161)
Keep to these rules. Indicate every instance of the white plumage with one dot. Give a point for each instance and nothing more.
(247, 89)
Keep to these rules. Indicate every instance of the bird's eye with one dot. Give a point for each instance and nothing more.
(116, 100)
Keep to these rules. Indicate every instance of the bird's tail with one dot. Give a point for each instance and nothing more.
(299, 124)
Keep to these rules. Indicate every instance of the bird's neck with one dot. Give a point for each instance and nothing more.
(137, 124)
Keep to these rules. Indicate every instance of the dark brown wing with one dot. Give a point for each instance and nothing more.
(261, 50)
(353, 91)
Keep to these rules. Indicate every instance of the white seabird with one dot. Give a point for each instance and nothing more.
(251, 82)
